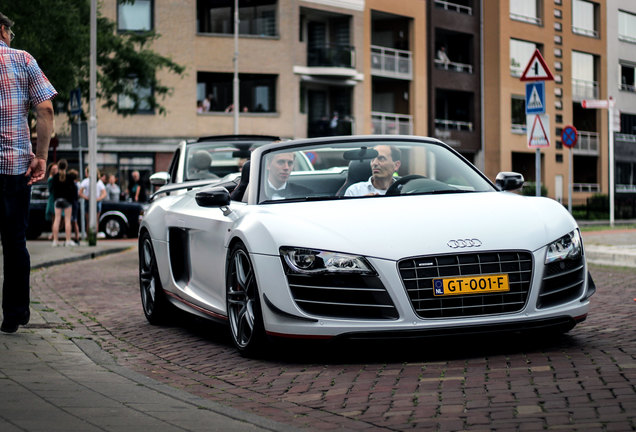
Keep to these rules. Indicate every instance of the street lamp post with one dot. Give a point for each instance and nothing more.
(235, 96)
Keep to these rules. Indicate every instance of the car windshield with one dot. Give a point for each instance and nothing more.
(210, 160)
(371, 168)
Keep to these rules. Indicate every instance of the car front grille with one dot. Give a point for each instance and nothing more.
(562, 282)
(342, 296)
(418, 273)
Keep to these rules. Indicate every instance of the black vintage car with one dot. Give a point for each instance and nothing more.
(117, 219)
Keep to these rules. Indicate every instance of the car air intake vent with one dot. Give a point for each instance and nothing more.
(418, 274)
(342, 296)
(562, 282)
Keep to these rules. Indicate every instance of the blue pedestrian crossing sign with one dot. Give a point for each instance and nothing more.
(535, 97)
(75, 103)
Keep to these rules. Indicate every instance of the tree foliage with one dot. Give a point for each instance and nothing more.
(57, 34)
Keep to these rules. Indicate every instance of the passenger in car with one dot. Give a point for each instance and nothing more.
(383, 166)
(278, 170)
(200, 166)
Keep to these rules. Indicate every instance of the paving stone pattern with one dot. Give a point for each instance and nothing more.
(585, 380)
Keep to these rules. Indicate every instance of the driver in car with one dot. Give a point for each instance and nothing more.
(383, 166)
(278, 170)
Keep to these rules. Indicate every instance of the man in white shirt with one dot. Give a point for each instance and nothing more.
(85, 191)
(383, 166)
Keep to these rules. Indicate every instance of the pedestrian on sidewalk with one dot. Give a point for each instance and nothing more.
(21, 80)
(65, 194)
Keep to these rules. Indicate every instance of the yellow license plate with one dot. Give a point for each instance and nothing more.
(471, 285)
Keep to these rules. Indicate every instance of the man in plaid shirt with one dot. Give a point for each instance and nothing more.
(22, 85)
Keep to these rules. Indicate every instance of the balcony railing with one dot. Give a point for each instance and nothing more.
(526, 18)
(625, 188)
(453, 7)
(583, 89)
(331, 55)
(519, 129)
(587, 143)
(625, 137)
(453, 66)
(391, 124)
(585, 32)
(391, 62)
(453, 125)
(627, 87)
(586, 187)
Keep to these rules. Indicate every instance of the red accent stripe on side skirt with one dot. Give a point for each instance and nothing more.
(297, 336)
(199, 308)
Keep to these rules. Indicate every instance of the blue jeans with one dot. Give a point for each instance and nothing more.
(15, 196)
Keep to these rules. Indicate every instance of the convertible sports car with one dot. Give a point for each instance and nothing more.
(326, 252)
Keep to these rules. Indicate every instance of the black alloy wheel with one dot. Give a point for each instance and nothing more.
(243, 303)
(156, 306)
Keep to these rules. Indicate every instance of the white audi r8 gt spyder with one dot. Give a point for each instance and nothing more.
(382, 237)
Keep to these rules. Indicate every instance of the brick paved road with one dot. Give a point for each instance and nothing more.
(585, 380)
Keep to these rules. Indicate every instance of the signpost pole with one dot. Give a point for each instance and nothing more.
(570, 181)
(610, 115)
(538, 172)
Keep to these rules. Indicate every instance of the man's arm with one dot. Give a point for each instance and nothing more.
(44, 129)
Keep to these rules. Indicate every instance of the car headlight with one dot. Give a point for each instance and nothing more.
(569, 246)
(310, 261)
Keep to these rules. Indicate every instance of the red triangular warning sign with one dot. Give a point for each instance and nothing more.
(537, 69)
(538, 138)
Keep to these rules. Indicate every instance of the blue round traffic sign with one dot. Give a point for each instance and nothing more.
(569, 136)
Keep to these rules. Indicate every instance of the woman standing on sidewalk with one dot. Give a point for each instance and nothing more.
(65, 193)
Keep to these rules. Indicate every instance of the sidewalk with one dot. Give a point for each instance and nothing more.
(615, 247)
(51, 379)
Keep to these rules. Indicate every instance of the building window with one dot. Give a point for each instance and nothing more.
(518, 114)
(627, 77)
(256, 17)
(134, 16)
(526, 11)
(584, 20)
(557, 26)
(558, 40)
(557, 13)
(136, 100)
(584, 84)
(628, 123)
(520, 53)
(558, 52)
(257, 92)
(626, 26)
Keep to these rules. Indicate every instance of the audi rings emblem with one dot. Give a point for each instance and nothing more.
(464, 243)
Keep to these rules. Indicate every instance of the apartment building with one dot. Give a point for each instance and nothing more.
(454, 70)
(571, 36)
(621, 67)
(307, 68)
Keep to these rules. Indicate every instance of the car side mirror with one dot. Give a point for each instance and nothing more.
(507, 181)
(216, 196)
(161, 178)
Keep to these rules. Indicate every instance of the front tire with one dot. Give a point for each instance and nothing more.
(153, 299)
(243, 303)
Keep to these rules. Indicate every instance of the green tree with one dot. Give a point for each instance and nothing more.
(57, 34)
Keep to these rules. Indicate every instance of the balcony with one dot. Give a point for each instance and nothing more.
(331, 55)
(391, 123)
(587, 144)
(627, 87)
(450, 6)
(453, 66)
(391, 63)
(583, 89)
(455, 125)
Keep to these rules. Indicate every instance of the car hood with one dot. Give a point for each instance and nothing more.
(397, 227)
